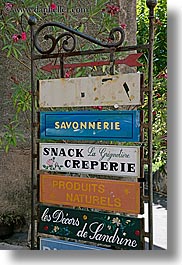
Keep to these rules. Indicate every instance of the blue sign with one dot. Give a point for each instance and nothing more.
(54, 244)
(121, 126)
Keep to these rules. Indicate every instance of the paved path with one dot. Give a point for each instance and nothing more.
(159, 221)
(5, 246)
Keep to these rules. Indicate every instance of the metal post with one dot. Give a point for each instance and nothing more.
(32, 22)
(61, 66)
(151, 5)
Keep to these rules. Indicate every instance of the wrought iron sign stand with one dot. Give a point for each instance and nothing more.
(68, 38)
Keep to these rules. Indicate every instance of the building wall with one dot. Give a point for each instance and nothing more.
(15, 182)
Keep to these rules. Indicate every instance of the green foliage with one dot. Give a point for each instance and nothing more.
(160, 41)
(11, 135)
(160, 76)
(15, 36)
(21, 98)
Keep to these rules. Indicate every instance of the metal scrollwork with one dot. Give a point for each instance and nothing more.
(69, 39)
(66, 36)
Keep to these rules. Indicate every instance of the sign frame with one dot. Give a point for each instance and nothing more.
(91, 125)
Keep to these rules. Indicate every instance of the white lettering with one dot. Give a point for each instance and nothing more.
(82, 233)
(45, 216)
(58, 217)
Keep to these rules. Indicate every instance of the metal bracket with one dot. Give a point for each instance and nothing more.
(34, 156)
(145, 125)
(69, 39)
(146, 234)
(35, 124)
(145, 198)
(141, 180)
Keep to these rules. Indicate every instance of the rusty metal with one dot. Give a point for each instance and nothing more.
(67, 40)
(91, 52)
(151, 5)
(71, 34)
(130, 60)
(32, 22)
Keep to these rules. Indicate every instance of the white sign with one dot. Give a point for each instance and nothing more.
(109, 90)
(90, 159)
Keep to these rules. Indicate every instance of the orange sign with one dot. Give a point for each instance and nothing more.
(103, 194)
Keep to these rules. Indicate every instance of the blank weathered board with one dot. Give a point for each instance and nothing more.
(122, 89)
(122, 232)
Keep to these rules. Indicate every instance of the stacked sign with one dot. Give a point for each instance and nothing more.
(98, 228)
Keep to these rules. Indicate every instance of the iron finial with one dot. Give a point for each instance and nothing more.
(151, 3)
(32, 21)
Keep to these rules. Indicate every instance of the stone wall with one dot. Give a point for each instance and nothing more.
(15, 182)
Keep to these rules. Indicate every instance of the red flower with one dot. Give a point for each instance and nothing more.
(15, 37)
(23, 36)
(162, 75)
(8, 6)
(68, 74)
(158, 95)
(97, 107)
(112, 9)
(53, 6)
(123, 26)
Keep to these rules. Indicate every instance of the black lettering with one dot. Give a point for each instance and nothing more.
(113, 166)
(62, 152)
(46, 151)
(85, 164)
(54, 151)
(76, 164)
(122, 167)
(67, 163)
(94, 164)
(131, 167)
(79, 152)
(104, 165)
(71, 152)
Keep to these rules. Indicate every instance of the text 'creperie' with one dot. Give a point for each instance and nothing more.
(70, 161)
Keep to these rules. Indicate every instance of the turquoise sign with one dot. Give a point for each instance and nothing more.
(123, 126)
(120, 232)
